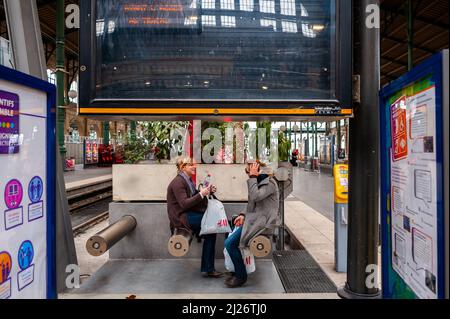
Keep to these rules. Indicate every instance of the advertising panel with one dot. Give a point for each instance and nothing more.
(411, 148)
(26, 187)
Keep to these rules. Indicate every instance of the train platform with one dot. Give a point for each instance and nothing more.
(315, 190)
(82, 177)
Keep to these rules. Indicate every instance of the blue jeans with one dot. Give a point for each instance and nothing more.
(232, 246)
(209, 242)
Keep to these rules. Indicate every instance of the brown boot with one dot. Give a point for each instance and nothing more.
(213, 274)
(235, 282)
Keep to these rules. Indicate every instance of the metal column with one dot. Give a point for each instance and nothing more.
(316, 151)
(307, 140)
(133, 131)
(106, 130)
(60, 74)
(338, 137)
(410, 19)
(364, 161)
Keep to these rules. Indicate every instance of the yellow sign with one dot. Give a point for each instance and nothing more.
(341, 184)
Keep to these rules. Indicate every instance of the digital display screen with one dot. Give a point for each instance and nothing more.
(204, 50)
(166, 14)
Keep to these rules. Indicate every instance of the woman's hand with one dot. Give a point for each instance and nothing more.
(205, 191)
(254, 170)
(239, 221)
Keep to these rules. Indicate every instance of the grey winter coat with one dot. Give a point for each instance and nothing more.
(262, 209)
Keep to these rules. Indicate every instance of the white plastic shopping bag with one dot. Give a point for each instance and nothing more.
(228, 262)
(247, 257)
(215, 219)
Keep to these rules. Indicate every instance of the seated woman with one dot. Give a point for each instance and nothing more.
(186, 206)
(261, 214)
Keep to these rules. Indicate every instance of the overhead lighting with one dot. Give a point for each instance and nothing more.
(265, 87)
(318, 27)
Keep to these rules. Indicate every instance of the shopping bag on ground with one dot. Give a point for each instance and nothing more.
(215, 219)
(247, 257)
(249, 260)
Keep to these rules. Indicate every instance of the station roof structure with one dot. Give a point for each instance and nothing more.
(430, 34)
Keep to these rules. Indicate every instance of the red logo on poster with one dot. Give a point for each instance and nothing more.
(399, 129)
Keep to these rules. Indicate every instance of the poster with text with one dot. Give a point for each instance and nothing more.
(23, 192)
(413, 171)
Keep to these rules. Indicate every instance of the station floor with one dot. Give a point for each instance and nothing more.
(315, 190)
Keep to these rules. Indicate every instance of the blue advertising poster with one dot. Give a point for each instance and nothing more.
(9, 122)
(27, 187)
(412, 184)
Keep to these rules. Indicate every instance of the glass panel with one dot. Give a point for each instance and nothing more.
(227, 4)
(246, 5)
(6, 54)
(288, 7)
(267, 6)
(206, 50)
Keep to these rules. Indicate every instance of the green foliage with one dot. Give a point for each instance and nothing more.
(155, 138)
(135, 150)
(284, 147)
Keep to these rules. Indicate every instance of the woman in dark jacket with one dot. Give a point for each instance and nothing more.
(186, 206)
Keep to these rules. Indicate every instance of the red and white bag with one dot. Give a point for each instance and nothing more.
(215, 219)
(248, 258)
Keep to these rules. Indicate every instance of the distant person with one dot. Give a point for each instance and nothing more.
(261, 214)
(294, 158)
(186, 206)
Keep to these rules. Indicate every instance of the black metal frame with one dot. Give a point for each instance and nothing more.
(331, 107)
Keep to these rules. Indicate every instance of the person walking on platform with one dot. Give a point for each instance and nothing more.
(261, 215)
(186, 206)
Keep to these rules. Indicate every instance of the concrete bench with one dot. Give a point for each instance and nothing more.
(150, 238)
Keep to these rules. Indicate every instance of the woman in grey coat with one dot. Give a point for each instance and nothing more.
(261, 215)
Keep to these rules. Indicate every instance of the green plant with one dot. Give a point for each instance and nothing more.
(155, 138)
(157, 134)
(135, 150)
(284, 147)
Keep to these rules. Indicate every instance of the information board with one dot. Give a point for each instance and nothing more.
(412, 184)
(27, 187)
(203, 57)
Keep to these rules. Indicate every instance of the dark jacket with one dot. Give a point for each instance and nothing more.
(180, 200)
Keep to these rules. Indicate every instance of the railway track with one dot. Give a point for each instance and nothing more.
(89, 223)
(84, 196)
(89, 204)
